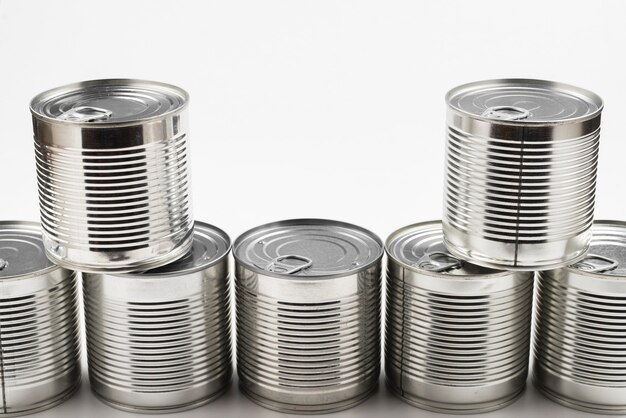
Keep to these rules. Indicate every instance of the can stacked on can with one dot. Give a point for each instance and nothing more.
(308, 313)
(39, 335)
(457, 334)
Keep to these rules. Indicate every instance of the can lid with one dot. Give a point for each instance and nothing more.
(420, 247)
(21, 249)
(111, 101)
(524, 101)
(607, 252)
(209, 246)
(308, 248)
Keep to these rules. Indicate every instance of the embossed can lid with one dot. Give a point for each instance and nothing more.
(607, 252)
(22, 251)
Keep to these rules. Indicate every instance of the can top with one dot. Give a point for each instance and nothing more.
(22, 251)
(607, 252)
(420, 247)
(210, 245)
(316, 248)
(524, 101)
(108, 102)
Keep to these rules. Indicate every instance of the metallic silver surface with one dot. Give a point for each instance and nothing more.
(113, 174)
(39, 335)
(308, 314)
(520, 173)
(457, 335)
(580, 332)
(159, 341)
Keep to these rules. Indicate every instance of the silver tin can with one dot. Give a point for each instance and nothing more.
(308, 314)
(113, 174)
(159, 341)
(39, 324)
(580, 332)
(520, 173)
(457, 335)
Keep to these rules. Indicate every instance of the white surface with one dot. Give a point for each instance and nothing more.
(310, 108)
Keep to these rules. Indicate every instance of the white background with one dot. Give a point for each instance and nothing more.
(330, 109)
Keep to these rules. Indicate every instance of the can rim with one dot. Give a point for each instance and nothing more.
(29, 226)
(315, 221)
(107, 82)
(577, 91)
(401, 231)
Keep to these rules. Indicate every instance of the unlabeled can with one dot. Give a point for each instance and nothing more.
(580, 332)
(159, 341)
(457, 335)
(113, 174)
(39, 331)
(308, 313)
(520, 173)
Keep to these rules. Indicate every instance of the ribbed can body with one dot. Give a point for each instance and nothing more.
(307, 344)
(159, 344)
(39, 341)
(580, 340)
(114, 197)
(519, 194)
(456, 344)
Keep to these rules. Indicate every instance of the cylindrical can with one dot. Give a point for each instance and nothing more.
(580, 333)
(159, 341)
(113, 174)
(520, 173)
(39, 331)
(308, 313)
(457, 334)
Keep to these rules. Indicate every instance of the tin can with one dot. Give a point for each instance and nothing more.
(457, 334)
(39, 331)
(580, 332)
(308, 314)
(520, 173)
(159, 341)
(113, 174)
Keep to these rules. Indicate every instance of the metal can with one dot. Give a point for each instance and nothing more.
(39, 331)
(580, 333)
(520, 173)
(159, 341)
(457, 334)
(308, 314)
(113, 174)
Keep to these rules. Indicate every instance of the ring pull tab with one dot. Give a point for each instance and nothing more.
(277, 265)
(3, 264)
(588, 265)
(86, 114)
(506, 113)
(439, 262)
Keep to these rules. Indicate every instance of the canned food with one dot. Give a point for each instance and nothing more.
(457, 334)
(580, 333)
(308, 313)
(520, 173)
(113, 174)
(39, 331)
(159, 341)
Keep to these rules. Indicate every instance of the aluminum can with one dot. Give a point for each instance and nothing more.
(308, 314)
(159, 341)
(113, 174)
(457, 335)
(520, 173)
(39, 324)
(580, 333)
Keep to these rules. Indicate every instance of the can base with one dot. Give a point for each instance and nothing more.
(308, 409)
(579, 406)
(457, 409)
(58, 400)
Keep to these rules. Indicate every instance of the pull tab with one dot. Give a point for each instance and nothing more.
(506, 113)
(589, 266)
(276, 266)
(86, 114)
(445, 262)
(3, 264)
